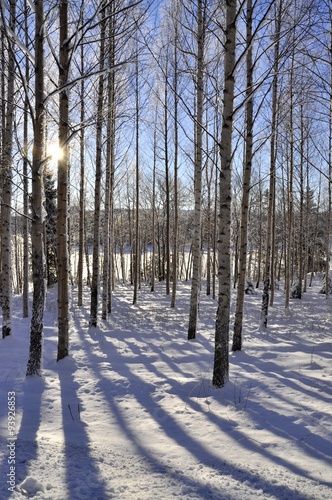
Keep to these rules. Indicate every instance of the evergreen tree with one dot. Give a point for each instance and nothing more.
(50, 227)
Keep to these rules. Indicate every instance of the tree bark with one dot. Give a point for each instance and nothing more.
(267, 274)
(137, 262)
(288, 260)
(153, 208)
(97, 195)
(195, 283)
(167, 191)
(63, 167)
(82, 191)
(108, 223)
(37, 232)
(26, 185)
(176, 161)
(6, 211)
(238, 324)
(221, 354)
(329, 213)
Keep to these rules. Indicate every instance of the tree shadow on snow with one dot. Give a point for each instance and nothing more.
(26, 443)
(127, 380)
(82, 474)
(297, 427)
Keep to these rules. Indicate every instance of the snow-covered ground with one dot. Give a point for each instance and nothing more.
(131, 413)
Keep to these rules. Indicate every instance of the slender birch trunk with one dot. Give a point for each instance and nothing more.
(26, 184)
(238, 324)
(215, 212)
(137, 262)
(288, 262)
(221, 354)
(208, 178)
(267, 274)
(63, 181)
(167, 193)
(108, 223)
(3, 74)
(37, 232)
(6, 211)
(300, 263)
(176, 161)
(329, 213)
(97, 194)
(307, 225)
(82, 190)
(195, 283)
(153, 229)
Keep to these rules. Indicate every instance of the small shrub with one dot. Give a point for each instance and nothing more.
(250, 288)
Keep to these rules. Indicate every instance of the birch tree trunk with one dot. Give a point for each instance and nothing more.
(6, 211)
(300, 256)
(176, 161)
(221, 353)
(215, 210)
(137, 262)
(97, 195)
(195, 283)
(108, 224)
(329, 213)
(3, 61)
(153, 208)
(82, 191)
(209, 179)
(63, 166)
(288, 260)
(237, 337)
(268, 266)
(37, 232)
(26, 184)
(167, 193)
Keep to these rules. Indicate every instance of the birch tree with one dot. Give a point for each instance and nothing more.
(237, 337)
(137, 260)
(271, 205)
(110, 147)
(82, 185)
(329, 212)
(98, 179)
(153, 205)
(37, 239)
(221, 353)
(290, 184)
(176, 161)
(198, 163)
(6, 211)
(63, 166)
(25, 180)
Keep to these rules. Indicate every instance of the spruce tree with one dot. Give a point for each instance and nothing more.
(50, 227)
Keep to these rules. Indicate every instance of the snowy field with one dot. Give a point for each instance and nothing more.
(131, 413)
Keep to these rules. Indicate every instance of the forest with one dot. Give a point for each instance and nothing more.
(158, 142)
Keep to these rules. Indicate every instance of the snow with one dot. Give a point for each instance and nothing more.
(31, 486)
(131, 413)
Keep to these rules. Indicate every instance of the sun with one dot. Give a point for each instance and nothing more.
(54, 151)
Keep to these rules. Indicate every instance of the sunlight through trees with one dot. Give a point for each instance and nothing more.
(148, 143)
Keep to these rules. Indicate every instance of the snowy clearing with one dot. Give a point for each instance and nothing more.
(131, 413)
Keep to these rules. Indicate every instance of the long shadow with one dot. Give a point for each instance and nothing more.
(153, 464)
(124, 365)
(26, 445)
(281, 425)
(79, 462)
(290, 378)
(171, 428)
